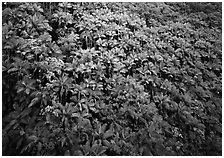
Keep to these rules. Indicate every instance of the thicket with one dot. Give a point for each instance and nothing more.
(112, 79)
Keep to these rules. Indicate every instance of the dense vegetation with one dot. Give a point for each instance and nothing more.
(112, 78)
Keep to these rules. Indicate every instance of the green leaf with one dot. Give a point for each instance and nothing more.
(85, 123)
(12, 70)
(27, 91)
(95, 147)
(10, 125)
(102, 128)
(106, 143)
(33, 102)
(33, 137)
(25, 112)
(108, 134)
(102, 150)
(20, 90)
(39, 147)
(63, 141)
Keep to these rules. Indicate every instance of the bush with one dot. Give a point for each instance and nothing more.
(110, 79)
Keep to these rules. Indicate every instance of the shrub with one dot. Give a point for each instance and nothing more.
(110, 79)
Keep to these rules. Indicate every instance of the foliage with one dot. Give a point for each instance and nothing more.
(112, 79)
